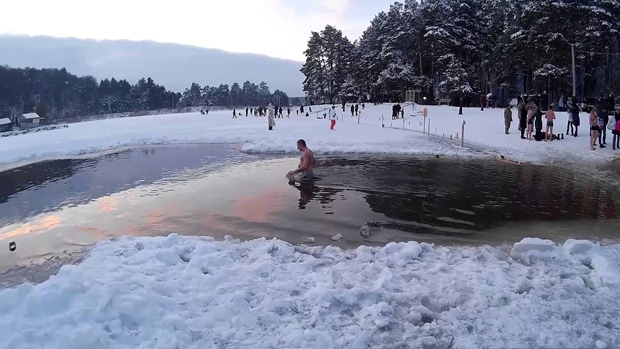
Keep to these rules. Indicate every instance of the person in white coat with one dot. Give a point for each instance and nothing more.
(332, 118)
(270, 118)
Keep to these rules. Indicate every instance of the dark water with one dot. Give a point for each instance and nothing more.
(61, 205)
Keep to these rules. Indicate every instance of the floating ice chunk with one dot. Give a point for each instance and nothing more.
(337, 237)
(308, 239)
(532, 246)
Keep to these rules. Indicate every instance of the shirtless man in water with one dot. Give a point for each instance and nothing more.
(304, 172)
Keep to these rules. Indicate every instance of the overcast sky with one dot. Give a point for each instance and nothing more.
(277, 28)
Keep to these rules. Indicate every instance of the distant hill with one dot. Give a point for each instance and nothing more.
(171, 65)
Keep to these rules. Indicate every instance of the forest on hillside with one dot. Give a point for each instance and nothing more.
(58, 94)
(467, 48)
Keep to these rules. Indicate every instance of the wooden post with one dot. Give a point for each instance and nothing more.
(463, 134)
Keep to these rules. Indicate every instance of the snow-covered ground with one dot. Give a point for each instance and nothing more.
(483, 132)
(182, 292)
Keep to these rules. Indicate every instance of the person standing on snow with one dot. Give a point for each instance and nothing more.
(234, 114)
(522, 117)
(357, 108)
(246, 111)
(280, 111)
(352, 110)
(270, 120)
(574, 111)
(616, 132)
(507, 118)
(531, 113)
(550, 116)
(593, 128)
(288, 112)
(332, 118)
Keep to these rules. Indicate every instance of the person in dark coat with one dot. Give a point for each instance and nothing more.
(394, 112)
(538, 124)
(357, 108)
(602, 133)
(301, 109)
(522, 118)
(246, 111)
(352, 110)
(574, 111)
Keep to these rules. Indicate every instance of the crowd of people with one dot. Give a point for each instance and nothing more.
(603, 116)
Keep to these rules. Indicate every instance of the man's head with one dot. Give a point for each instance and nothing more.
(301, 145)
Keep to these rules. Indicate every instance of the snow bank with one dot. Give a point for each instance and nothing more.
(181, 292)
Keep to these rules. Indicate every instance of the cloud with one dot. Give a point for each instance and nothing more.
(271, 27)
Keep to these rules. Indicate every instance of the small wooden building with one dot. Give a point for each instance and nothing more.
(6, 125)
(27, 121)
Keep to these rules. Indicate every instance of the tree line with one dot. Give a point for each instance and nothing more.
(467, 48)
(236, 95)
(58, 94)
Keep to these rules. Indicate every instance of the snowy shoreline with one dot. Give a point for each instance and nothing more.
(484, 136)
(192, 292)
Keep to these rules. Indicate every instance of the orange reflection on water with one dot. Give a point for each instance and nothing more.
(257, 208)
(36, 227)
(108, 204)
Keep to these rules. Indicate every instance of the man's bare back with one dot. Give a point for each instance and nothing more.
(304, 172)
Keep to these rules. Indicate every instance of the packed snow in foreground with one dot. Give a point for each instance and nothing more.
(182, 292)
(484, 135)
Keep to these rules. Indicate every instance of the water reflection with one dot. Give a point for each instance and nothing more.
(46, 186)
(435, 200)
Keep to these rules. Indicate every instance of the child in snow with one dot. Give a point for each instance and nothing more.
(550, 116)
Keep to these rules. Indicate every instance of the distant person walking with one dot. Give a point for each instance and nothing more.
(288, 112)
(234, 114)
(593, 129)
(357, 108)
(280, 110)
(301, 109)
(550, 116)
(352, 110)
(507, 119)
(270, 119)
(246, 111)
